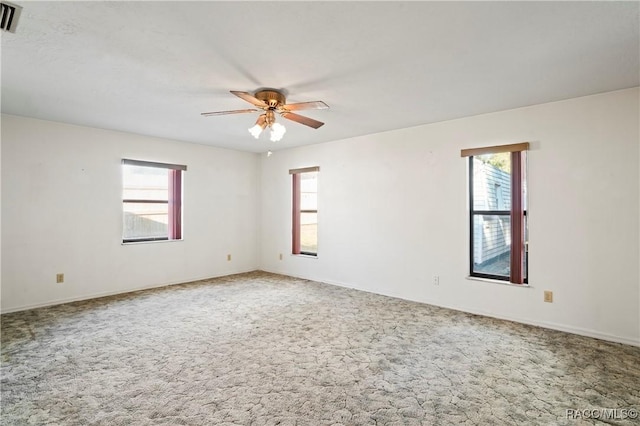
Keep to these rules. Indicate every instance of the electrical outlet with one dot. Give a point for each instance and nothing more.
(280, 256)
(229, 258)
(59, 278)
(436, 280)
(548, 296)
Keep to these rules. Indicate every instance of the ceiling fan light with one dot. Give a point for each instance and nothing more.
(261, 123)
(277, 132)
(255, 131)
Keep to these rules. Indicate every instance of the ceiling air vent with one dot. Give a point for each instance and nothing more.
(9, 14)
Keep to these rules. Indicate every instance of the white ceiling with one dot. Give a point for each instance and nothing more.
(152, 67)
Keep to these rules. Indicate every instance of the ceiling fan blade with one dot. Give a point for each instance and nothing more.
(235, 111)
(302, 119)
(304, 105)
(250, 98)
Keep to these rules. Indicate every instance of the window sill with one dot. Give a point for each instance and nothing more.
(307, 256)
(489, 280)
(134, 243)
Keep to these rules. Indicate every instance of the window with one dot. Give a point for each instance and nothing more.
(305, 211)
(151, 201)
(498, 212)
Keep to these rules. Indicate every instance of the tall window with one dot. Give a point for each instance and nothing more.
(498, 212)
(305, 211)
(151, 201)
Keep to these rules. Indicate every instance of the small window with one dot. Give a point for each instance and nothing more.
(305, 211)
(151, 201)
(498, 213)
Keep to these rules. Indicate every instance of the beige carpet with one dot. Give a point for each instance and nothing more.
(263, 349)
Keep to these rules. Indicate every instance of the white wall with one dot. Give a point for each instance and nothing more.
(61, 212)
(393, 213)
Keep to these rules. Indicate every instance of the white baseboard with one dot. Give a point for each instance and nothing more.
(549, 325)
(112, 293)
(543, 324)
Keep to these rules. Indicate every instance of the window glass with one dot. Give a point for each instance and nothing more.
(309, 233)
(145, 221)
(492, 182)
(492, 244)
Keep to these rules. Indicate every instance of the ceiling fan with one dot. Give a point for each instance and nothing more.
(272, 101)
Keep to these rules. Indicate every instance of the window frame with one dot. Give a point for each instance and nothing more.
(297, 211)
(174, 200)
(519, 253)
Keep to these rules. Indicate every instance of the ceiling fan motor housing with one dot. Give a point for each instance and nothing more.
(272, 98)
